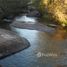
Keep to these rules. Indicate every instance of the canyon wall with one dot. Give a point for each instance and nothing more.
(12, 7)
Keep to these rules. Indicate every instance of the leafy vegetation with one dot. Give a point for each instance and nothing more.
(12, 7)
(51, 10)
(54, 9)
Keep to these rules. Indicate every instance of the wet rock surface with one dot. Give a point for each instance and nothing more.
(33, 26)
(12, 7)
(11, 43)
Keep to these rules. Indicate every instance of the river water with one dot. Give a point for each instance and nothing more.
(46, 50)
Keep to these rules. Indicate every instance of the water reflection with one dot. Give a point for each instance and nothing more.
(59, 34)
(44, 42)
(27, 33)
(30, 35)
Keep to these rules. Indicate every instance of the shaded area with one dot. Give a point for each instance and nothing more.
(12, 7)
(5, 25)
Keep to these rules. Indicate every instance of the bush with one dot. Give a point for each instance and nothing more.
(54, 9)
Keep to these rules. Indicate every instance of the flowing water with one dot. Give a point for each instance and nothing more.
(46, 50)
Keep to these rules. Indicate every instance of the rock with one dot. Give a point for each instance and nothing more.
(12, 7)
(34, 14)
(11, 43)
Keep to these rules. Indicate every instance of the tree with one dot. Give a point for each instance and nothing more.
(56, 9)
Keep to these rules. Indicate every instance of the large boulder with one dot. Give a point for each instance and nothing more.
(11, 43)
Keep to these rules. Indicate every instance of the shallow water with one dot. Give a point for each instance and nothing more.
(46, 50)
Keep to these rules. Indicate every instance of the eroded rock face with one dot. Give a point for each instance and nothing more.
(57, 8)
(11, 7)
